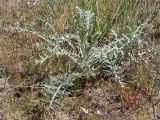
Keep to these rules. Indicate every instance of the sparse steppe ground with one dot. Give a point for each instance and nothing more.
(100, 100)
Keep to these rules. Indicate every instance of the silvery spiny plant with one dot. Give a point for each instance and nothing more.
(86, 54)
(81, 48)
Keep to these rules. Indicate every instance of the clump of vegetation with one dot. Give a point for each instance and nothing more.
(83, 57)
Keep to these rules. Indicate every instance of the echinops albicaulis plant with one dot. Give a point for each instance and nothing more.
(86, 55)
(81, 48)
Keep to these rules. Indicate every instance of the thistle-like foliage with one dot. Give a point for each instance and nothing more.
(82, 50)
(86, 55)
